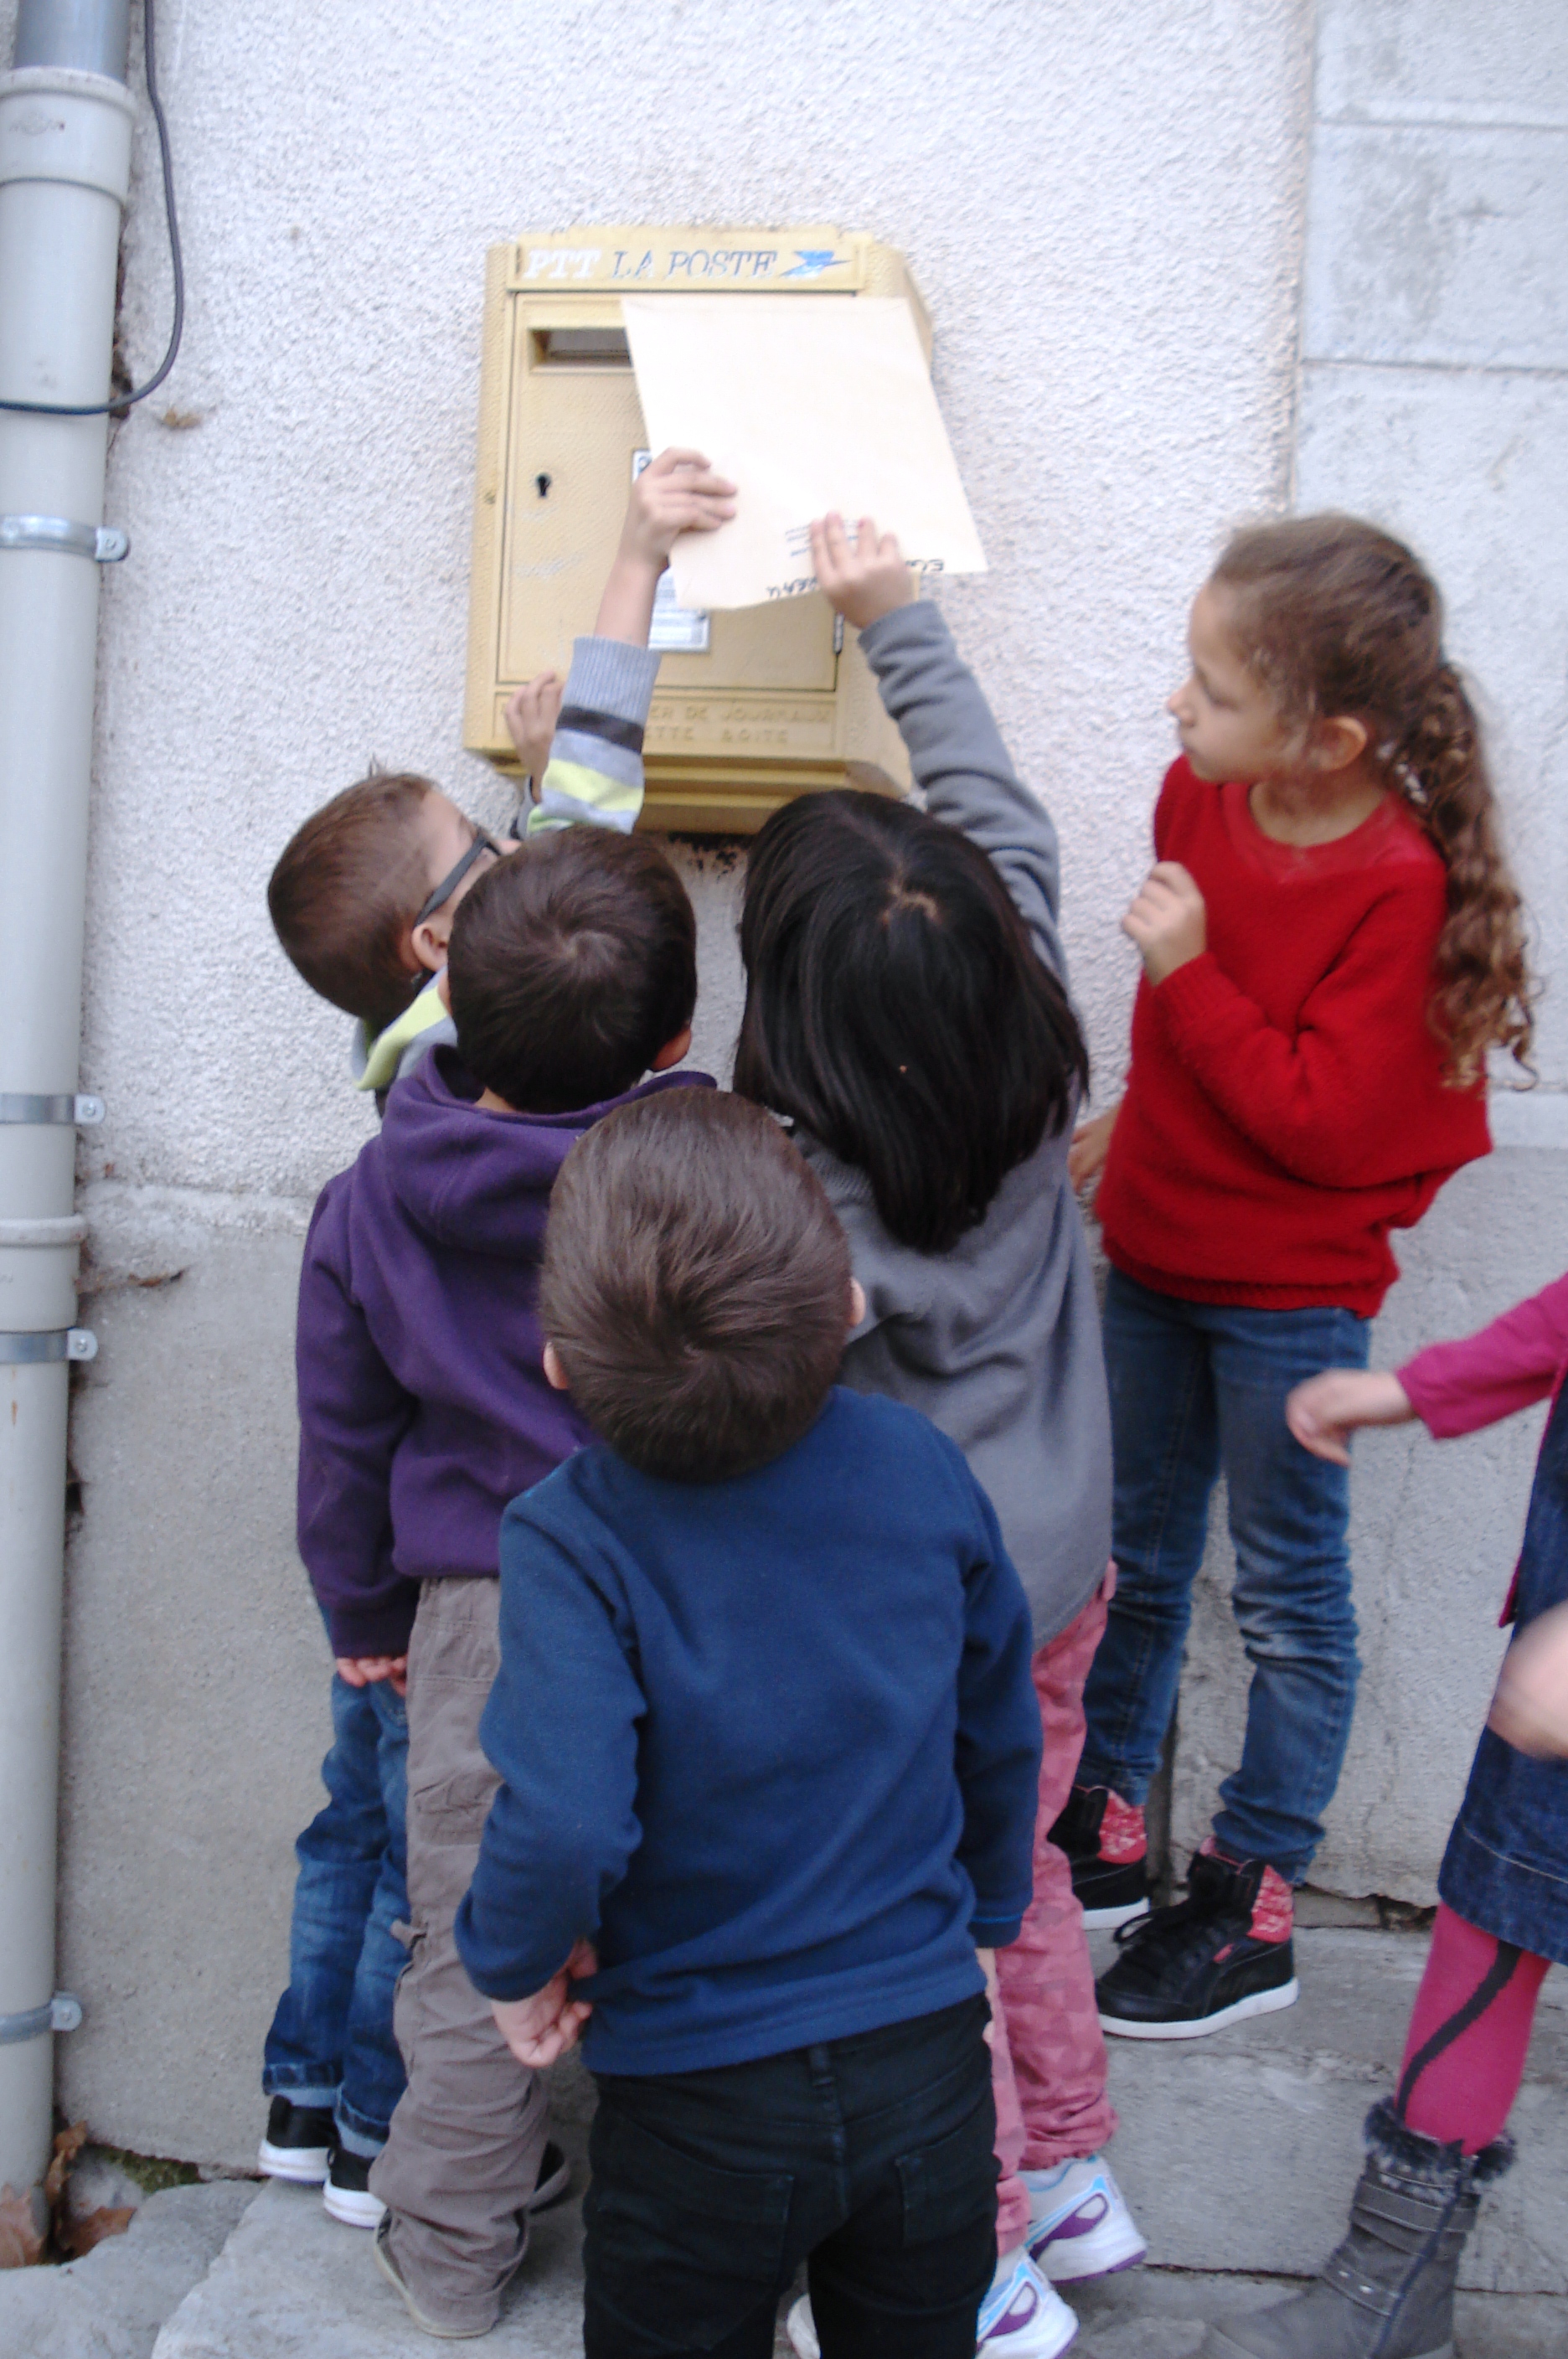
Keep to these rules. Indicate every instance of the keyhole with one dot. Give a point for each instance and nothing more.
(542, 484)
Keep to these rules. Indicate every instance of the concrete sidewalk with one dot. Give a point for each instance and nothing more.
(1238, 2154)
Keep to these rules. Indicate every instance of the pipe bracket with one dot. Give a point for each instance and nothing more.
(52, 1343)
(104, 543)
(64, 2013)
(22, 1105)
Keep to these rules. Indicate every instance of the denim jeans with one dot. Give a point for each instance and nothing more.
(1198, 1388)
(869, 2157)
(331, 2043)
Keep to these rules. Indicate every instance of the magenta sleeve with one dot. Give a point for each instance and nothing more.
(1457, 1387)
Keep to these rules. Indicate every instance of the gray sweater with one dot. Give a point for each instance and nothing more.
(999, 1340)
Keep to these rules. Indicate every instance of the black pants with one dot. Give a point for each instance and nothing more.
(871, 2157)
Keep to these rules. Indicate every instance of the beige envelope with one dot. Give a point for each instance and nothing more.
(807, 403)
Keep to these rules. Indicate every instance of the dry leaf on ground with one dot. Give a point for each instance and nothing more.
(68, 2145)
(76, 2237)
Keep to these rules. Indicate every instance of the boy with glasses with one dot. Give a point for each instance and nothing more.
(364, 900)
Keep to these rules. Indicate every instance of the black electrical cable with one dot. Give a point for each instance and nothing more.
(122, 401)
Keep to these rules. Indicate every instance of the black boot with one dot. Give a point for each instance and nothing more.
(1388, 2291)
(1110, 1891)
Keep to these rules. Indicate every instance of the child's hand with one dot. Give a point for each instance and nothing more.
(532, 711)
(1167, 920)
(364, 1670)
(541, 2029)
(1530, 1710)
(676, 493)
(864, 583)
(1325, 1411)
(1091, 1145)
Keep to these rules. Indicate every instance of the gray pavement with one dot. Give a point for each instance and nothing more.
(1238, 2154)
(112, 2304)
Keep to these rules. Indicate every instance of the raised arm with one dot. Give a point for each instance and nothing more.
(596, 774)
(956, 747)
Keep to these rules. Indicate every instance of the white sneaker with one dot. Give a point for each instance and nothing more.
(801, 2329)
(1021, 2317)
(1079, 2222)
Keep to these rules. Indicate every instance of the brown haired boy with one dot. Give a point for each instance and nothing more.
(364, 894)
(769, 1748)
(423, 1406)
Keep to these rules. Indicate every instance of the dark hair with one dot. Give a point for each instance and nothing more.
(896, 1009)
(695, 1284)
(1337, 617)
(571, 964)
(345, 893)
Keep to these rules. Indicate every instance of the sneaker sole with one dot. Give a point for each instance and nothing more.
(384, 2262)
(1121, 2026)
(801, 2331)
(551, 2190)
(1035, 2346)
(355, 2206)
(302, 2166)
(1101, 1920)
(1101, 2254)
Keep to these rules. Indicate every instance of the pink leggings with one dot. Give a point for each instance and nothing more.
(1465, 2048)
(1048, 2054)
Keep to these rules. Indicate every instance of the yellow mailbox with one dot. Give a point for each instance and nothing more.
(751, 706)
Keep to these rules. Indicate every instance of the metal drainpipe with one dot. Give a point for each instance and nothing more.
(65, 152)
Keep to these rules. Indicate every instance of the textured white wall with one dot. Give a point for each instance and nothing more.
(1104, 209)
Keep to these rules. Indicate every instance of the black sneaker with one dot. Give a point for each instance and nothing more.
(1191, 1969)
(553, 2184)
(298, 2142)
(1109, 1864)
(346, 2195)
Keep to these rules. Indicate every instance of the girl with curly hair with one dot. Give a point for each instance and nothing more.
(1332, 944)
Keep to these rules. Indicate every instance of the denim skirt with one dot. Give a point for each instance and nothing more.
(1506, 1868)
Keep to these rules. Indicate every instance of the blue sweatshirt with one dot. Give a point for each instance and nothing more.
(771, 1742)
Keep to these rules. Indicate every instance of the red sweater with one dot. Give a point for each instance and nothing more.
(1286, 1106)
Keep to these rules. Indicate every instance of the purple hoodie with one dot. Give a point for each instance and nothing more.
(423, 1404)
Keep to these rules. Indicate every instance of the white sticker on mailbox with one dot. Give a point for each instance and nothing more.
(676, 630)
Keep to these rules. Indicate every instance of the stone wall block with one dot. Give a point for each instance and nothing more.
(1438, 245)
(1442, 62)
(197, 1677)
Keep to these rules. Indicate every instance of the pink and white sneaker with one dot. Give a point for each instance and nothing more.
(1079, 2222)
(1021, 2317)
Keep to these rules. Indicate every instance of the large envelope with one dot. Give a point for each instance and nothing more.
(807, 403)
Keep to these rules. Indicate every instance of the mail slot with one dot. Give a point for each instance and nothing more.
(753, 705)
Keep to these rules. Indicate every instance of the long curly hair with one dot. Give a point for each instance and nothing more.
(1336, 617)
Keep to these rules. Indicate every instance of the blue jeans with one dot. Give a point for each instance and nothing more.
(331, 2043)
(1195, 1387)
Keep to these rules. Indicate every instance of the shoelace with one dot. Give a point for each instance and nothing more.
(1195, 1929)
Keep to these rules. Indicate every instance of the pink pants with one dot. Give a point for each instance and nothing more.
(1048, 2055)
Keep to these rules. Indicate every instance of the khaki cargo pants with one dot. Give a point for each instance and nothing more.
(463, 2155)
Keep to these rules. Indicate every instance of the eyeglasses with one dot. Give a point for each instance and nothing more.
(454, 876)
